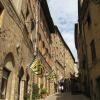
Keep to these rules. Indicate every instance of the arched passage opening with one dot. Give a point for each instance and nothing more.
(23, 84)
(6, 86)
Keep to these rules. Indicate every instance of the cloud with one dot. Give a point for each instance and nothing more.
(69, 39)
(64, 14)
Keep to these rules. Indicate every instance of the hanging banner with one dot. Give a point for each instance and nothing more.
(52, 76)
(37, 67)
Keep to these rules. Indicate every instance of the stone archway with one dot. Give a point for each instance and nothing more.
(21, 84)
(9, 62)
(8, 75)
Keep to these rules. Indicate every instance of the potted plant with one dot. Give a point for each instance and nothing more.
(43, 92)
(35, 92)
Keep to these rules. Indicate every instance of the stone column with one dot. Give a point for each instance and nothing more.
(22, 90)
(9, 86)
(44, 82)
(22, 84)
(1, 74)
(39, 82)
(13, 88)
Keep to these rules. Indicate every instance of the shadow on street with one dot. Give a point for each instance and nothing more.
(64, 96)
(69, 96)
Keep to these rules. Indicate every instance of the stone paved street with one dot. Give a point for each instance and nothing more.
(66, 96)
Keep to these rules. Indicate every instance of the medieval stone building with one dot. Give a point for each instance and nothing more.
(27, 32)
(16, 49)
(64, 60)
(25, 28)
(87, 33)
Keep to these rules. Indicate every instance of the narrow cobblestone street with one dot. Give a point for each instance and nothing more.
(66, 96)
(49, 49)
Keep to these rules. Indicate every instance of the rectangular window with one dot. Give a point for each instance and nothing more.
(93, 51)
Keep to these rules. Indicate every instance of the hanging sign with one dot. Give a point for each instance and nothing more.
(52, 76)
(37, 67)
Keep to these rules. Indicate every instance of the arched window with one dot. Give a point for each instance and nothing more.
(1, 13)
(4, 83)
(8, 67)
(9, 61)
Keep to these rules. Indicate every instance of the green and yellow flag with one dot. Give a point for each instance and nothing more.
(37, 67)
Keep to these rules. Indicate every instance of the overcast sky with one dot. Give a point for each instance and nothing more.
(64, 14)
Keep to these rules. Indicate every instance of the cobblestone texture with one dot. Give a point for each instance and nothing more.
(66, 96)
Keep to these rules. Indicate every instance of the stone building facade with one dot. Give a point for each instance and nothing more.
(16, 49)
(87, 44)
(33, 24)
(45, 27)
(64, 60)
(26, 30)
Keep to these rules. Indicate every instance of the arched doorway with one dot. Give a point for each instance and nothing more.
(7, 89)
(1, 14)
